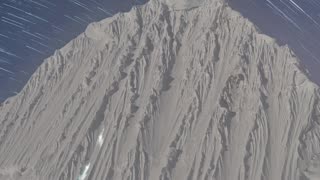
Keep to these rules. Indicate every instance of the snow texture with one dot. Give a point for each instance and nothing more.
(168, 94)
(183, 4)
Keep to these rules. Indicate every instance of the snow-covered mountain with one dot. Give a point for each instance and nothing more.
(168, 91)
(183, 4)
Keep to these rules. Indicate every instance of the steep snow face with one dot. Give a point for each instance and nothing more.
(183, 4)
(155, 93)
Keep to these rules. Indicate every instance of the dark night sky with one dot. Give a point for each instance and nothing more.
(30, 30)
(292, 22)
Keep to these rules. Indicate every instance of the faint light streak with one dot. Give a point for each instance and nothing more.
(39, 4)
(9, 53)
(81, 5)
(14, 79)
(38, 37)
(297, 6)
(34, 49)
(13, 24)
(306, 14)
(21, 18)
(18, 9)
(317, 60)
(88, 17)
(33, 27)
(2, 35)
(5, 61)
(273, 6)
(6, 70)
(105, 11)
(43, 36)
(76, 17)
(24, 72)
(72, 19)
(58, 28)
(48, 2)
(40, 43)
(37, 17)
(13, 21)
(28, 13)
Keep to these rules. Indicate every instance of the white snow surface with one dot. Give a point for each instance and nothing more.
(193, 94)
(184, 4)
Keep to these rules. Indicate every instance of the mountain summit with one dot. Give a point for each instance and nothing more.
(165, 92)
(184, 4)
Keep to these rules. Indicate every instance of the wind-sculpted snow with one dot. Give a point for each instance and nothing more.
(195, 94)
(183, 4)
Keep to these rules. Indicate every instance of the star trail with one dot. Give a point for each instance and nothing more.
(292, 22)
(30, 30)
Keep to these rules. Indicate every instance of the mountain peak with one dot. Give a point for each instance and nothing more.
(183, 4)
(168, 95)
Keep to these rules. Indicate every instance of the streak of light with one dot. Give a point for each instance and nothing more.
(61, 41)
(316, 3)
(18, 9)
(95, 2)
(80, 19)
(81, 5)
(21, 18)
(43, 36)
(317, 60)
(297, 6)
(13, 24)
(98, 5)
(6, 70)
(39, 4)
(48, 2)
(306, 14)
(41, 44)
(273, 6)
(289, 7)
(2, 35)
(8, 53)
(37, 17)
(33, 35)
(72, 19)
(13, 39)
(24, 72)
(105, 11)
(16, 80)
(58, 28)
(13, 21)
(90, 18)
(34, 49)
(6, 62)
(28, 13)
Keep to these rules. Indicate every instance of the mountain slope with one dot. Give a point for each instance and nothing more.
(157, 93)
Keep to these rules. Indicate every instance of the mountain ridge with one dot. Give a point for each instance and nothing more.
(157, 93)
